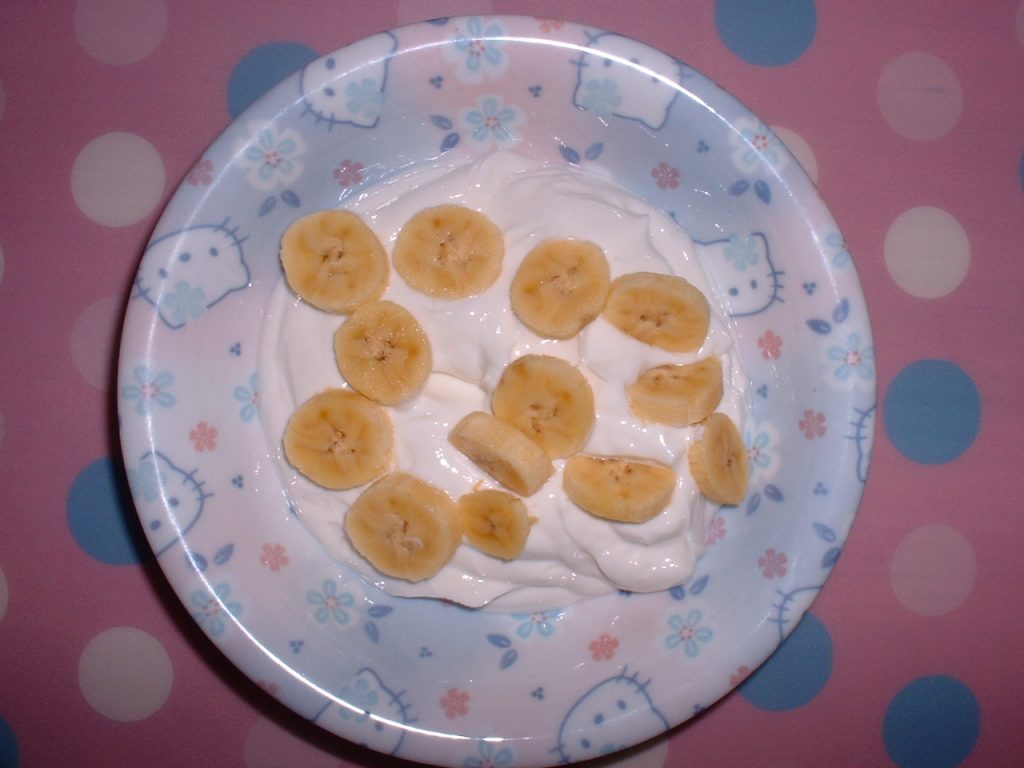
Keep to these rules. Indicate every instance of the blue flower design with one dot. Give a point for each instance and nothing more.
(688, 634)
(330, 604)
(184, 303)
(272, 158)
(365, 98)
(852, 359)
(841, 255)
(359, 695)
(146, 480)
(741, 252)
(490, 756)
(479, 54)
(249, 396)
(491, 119)
(754, 144)
(212, 610)
(148, 389)
(758, 454)
(543, 622)
(602, 97)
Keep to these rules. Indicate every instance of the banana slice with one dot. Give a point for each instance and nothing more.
(665, 311)
(677, 395)
(383, 352)
(623, 489)
(503, 452)
(339, 439)
(495, 522)
(333, 260)
(547, 399)
(560, 287)
(449, 252)
(718, 461)
(405, 527)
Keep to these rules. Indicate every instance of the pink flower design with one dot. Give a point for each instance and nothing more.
(203, 437)
(812, 424)
(270, 688)
(201, 173)
(716, 531)
(666, 175)
(550, 25)
(603, 647)
(737, 677)
(455, 703)
(349, 173)
(772, 563)
(274, 557)
(771, 346)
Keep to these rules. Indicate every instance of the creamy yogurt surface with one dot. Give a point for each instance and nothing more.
(570, 554)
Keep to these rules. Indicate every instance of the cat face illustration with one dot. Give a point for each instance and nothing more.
(335, 94)
(744, 268)
(371, 704)
(169, 499)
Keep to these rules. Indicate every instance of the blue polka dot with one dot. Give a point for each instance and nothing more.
(932, 411)
(102, 518)
(8, 746)
(263, 68)
(766, 32)
(796, 672)
(932, 723)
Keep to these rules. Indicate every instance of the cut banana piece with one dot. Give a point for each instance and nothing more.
(718, 461)
(665, 311)
(449, 252)
(677, 395)
(560, 287)
(333, 260)
(495, 522)
(623, 489)
(405, 527)
(339, 439)
(383, 352)
(503, 452)
(547, 399)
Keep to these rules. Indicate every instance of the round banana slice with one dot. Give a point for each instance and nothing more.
(718, 461)
(677, 395)
(383, 352)
(560, 287)
(495, 522)
(339, 439)
(503, 452)
(623, 489)
(333, 260)
(449, 252)
(405, 527)
(547, 399)
(665, 311)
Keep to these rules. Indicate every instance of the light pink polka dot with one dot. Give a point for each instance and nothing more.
(927, 252)
(268, 745)
(119, 32)
(125, 674)
(933, 570)
(919, 96)
(4, 594)
(117, 179)
(410, 11)
(801, 150)
(94, 339)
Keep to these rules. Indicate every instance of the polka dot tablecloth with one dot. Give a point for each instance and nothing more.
(910, 119)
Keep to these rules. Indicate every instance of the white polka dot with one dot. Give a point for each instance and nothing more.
(933, 570)
(653, 754)
(268, 745)
(125, 674)
(4, 594)
(94, 340)
(801, 150)
(927, 252)
(117, 179)
(410, 11)
(120, 32)
(920, 96)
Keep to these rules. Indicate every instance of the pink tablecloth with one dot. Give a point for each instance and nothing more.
(910, 116)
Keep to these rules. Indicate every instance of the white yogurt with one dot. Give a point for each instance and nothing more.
(570, 554)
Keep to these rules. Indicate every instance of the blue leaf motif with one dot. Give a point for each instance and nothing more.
(372, 631)
(825, 533)
(831, 557)
(499, 641)
(224, 554)
(677, 593)
(753, 503)
(380, 611)
(739, 187)
(763, 190)
(508, 658)
(820, 326)
(842, 311)
(699, 585)
(441, 122)
(438, 22)
(773, 492)
(268, 205)
(570, 154)
(197, 561)
(449, 142)
(290, 198)
(594, 151)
